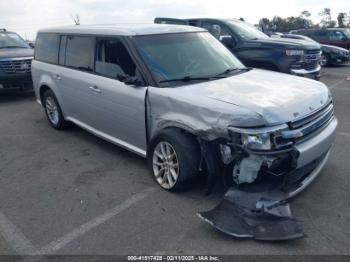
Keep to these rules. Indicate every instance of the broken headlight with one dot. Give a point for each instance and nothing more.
(257, 141)
(256, 138)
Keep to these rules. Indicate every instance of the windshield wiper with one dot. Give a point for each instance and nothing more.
(12, 46)
(185, 79)
(232, 70)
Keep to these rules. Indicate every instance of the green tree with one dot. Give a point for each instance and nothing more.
(326, 18)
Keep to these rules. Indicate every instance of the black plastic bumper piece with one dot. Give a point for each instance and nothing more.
(261, 211)
(270, 221)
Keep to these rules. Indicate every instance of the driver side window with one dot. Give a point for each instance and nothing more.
(216, 30)
(113, 59)
(335, 36)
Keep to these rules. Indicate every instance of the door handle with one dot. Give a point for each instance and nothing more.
(57, 77)
(95, 89)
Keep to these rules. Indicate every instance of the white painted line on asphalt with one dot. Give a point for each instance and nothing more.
(343, 134)
(99, 220)
(336, 84)
(14, 237)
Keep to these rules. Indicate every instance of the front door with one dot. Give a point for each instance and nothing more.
(119, 109)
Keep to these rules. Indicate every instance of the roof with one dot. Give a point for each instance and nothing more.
(123, 29)
(322, 29)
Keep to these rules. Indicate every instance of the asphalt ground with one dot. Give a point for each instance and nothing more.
(72, 193)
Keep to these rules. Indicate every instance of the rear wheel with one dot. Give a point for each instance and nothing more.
(174, 158)
(53, 110)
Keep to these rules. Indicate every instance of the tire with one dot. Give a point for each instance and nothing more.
(325, 60)
(53, 111)
(183, 154)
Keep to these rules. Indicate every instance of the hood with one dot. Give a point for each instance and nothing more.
(16, 52)
(288, 43)
(278, 98)
(332, 47)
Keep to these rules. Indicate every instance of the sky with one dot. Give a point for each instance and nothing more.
(27, 16)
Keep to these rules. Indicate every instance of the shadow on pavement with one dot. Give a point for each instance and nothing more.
(16, 96)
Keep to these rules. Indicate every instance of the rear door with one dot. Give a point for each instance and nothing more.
(77, 57)
(320, 36)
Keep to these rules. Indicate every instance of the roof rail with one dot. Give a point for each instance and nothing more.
(3, 29)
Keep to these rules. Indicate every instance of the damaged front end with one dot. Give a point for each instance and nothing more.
(270, 165)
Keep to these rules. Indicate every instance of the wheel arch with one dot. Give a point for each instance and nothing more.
(43, 88)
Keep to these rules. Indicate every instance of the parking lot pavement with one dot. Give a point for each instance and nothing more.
(72, 193)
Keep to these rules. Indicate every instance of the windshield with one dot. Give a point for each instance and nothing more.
(347, 33)
(12, 40)
(245, 30)
(185, 55)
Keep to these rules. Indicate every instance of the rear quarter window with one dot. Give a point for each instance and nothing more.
(46, 47)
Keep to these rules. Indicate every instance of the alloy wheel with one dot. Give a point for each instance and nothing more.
(52, 110)
(324, 60)
(165, 165)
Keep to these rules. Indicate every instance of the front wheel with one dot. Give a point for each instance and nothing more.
(174, 158)
(324, 60)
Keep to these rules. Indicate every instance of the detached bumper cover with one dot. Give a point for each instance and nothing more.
(262, 211)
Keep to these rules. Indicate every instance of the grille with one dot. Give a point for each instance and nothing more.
(313, 51)
(303, 128)
(312, 57)
(16, 66)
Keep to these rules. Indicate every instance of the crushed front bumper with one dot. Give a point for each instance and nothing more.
(260, 210)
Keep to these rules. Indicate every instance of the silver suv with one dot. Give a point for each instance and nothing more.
(176, 95)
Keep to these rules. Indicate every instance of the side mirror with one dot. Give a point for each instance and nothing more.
(228, 41)
(31, 45)
(129, 80)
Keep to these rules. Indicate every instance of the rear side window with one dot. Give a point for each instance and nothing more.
(80, 52)
(113, 59)
(46, 48)
(322, 35)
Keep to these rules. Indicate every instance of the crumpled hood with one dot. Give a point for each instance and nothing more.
(277, 97)
(16, 52)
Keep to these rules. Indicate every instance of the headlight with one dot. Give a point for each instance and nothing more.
(340, 52)
(290, 52)
(257, 141)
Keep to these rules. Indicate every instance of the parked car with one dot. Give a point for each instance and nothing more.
(256, 49)
(15, 62)
(175, 95)
(328, 36)
(331, 55)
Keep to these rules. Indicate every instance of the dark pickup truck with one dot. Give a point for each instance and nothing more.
(15, 62)
(256, 49)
